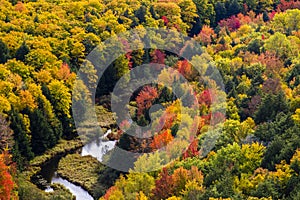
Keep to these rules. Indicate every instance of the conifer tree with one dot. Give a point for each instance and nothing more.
(4, 52)
(22, 52)
(22, 151)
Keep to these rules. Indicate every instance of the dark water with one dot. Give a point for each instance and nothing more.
(48, 172)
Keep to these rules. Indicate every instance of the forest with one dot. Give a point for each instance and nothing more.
(253, 46)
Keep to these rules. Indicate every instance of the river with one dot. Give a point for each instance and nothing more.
(96, 149)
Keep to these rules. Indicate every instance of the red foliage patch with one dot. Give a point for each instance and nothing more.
(232, 23)
(145, 98)
(6, 180)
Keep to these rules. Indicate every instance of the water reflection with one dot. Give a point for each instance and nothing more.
(97, 149)
(77, 191)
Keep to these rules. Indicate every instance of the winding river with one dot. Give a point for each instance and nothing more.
(96, 149)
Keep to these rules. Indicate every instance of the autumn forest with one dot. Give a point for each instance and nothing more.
(229, 129)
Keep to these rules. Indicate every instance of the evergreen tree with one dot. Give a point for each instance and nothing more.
(7, 19)
(36, 19)
(68, 124)
(153, 13)
(234, 8)
(141, 13)
(55, 123)
(196, 27)
(255, 46)
(221, 11)
(13, 2)
(4, 52)
(271, 106)
(22, 52)
(266, 17)
(282, 147)
(22, 151)
(43, 136)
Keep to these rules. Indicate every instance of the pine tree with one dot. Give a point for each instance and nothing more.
(42, 134)
(234, 8)
(36, 19)
(13, 2)
(221, 11)
(7, 19)
(22, 52)
(271, 105)
(54, 122)
(266, 17)
(153, 13)
(22, 151)
(4, 52)
(141, 13)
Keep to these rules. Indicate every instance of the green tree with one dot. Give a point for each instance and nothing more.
(220, 10)
(271, 105)
(4, 52)
(280, 45)
(266, 17)
(22, 52)
(22, 151)
(42, 134)
(234, 8)
(282, 147)
(205, 11)
(255, 46)
(188, 11)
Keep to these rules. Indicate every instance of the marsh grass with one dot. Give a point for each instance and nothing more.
(83, 171)
(63, 147)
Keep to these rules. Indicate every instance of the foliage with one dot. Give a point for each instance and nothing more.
(84, 172)
(6, 179)
(254, 45)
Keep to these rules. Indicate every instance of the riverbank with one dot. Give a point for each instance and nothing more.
(87, 169)
(84, 171)
(62, 148)
(29, 189)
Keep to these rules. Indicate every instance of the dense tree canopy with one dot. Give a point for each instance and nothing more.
(253, 44)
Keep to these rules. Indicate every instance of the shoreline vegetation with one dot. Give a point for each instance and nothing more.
(63, 148)
(83, 171)
(212, 92)
(66, 151)
(26, 187)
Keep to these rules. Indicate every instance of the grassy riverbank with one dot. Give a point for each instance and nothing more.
(84, 171)
(106, 118)
(28, 190)
(62, 148)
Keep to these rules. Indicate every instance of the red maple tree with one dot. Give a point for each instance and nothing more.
(145, 98)
(6, 180)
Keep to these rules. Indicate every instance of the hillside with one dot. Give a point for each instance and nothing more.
(232, 133)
